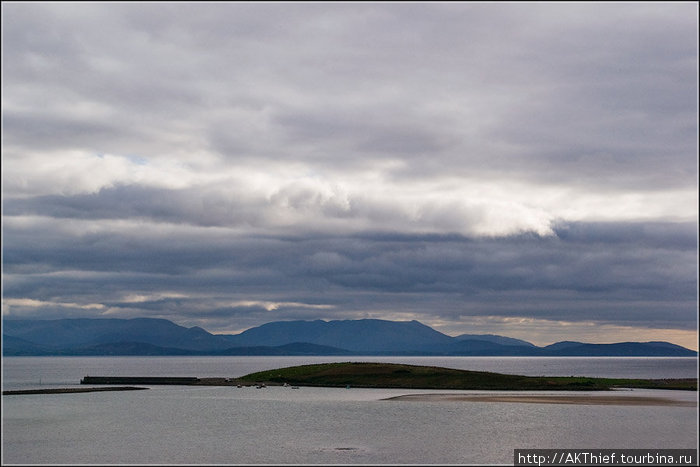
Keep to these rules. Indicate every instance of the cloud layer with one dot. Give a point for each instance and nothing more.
(467, 165)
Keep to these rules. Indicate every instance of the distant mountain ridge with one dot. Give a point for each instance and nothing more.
(150, 336)
(364, 335)
(70, 333)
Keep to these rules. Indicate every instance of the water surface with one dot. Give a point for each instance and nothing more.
(316, 425)
(277, 425)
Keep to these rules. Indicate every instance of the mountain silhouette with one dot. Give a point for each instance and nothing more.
(149, 336)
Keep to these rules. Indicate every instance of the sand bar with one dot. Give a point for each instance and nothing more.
(548, 399)
(68, 390)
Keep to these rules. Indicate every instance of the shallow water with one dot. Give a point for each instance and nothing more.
(277, 425)
(182, 424)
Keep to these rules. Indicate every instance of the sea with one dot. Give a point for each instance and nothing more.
(168, 425)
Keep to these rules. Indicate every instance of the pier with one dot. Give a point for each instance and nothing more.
(168, 380)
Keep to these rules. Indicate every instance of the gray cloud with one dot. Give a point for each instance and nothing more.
(558, 89)
(230, 164)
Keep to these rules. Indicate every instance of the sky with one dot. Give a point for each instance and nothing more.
(522, 169)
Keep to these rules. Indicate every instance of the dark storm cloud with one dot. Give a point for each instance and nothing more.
(566, 277)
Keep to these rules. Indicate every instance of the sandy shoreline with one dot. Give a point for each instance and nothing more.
(68, 390)
(549, 399)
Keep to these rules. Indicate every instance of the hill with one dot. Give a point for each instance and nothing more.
(620, 349)
(53, 335)
(391, 375)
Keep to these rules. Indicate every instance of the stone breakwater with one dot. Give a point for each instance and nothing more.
(166, 380)
(186, 381)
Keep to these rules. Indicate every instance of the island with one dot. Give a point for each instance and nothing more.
(394, 375)
(401, 376)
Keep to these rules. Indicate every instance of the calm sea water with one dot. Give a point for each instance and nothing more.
(226, 425)
(22, 372)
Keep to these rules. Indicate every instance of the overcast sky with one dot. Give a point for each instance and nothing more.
(528, 170)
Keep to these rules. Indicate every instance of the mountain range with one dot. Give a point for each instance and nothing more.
(150, 336)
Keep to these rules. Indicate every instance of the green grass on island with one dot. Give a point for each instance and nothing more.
(390, 375)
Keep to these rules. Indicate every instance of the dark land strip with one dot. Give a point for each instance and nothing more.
(68, 390)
